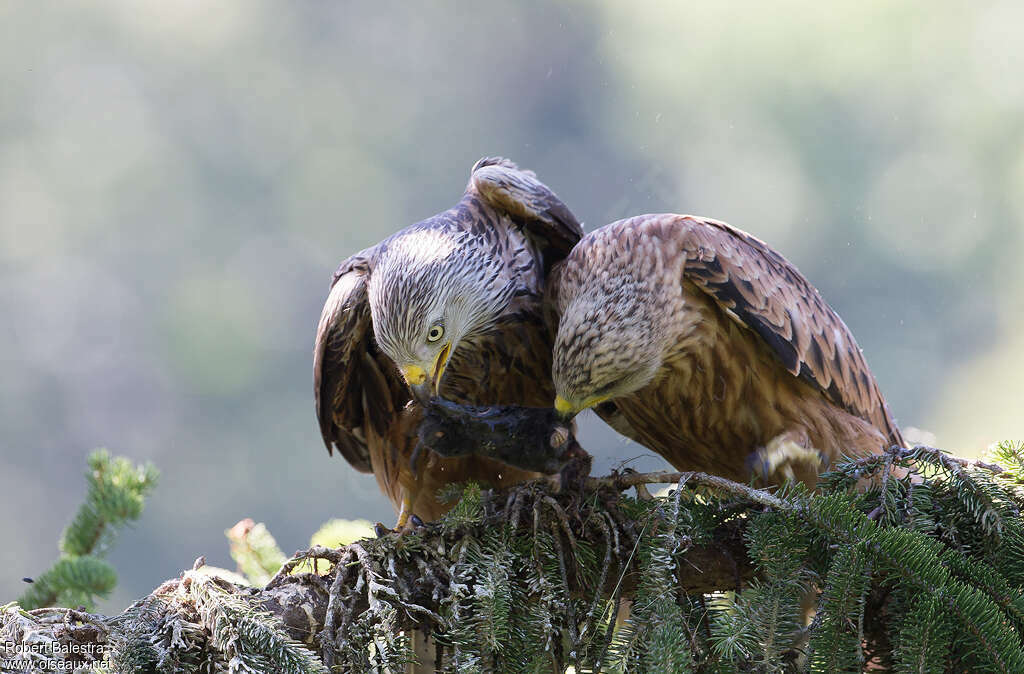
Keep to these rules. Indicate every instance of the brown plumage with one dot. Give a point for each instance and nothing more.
(702, 343)
(451, 306)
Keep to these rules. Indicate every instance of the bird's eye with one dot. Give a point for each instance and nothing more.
(435, 333)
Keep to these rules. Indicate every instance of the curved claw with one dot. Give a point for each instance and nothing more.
(407, 519)
(411, 523)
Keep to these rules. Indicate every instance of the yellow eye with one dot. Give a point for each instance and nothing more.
(435, 333)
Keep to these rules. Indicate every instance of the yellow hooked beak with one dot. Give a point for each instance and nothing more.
(564, 407)
(567, 410)
(414, 374)
(424, 387)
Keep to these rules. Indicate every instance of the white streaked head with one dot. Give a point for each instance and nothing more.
(430, 289)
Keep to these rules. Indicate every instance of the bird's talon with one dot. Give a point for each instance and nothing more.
(381, 530)
(416, 522)
(559, 437)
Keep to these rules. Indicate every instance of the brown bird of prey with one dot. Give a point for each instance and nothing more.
(450, 306)
(700, 342)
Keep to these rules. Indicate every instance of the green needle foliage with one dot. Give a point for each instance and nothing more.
(653, 637)
(71, 581)
(116, 495)
(925, 637)
(910, 561)
(250, 640)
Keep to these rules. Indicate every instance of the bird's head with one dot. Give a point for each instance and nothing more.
(608, 346)
(430, 291)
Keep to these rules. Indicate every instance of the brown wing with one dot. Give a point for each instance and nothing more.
(763, 291)
(544, 217)
(356, 388)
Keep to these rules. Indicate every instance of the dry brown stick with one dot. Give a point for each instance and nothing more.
(969, 463)
(623, 482)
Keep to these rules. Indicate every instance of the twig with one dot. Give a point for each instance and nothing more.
(610, 630)
(329, 636)
(883, 505)
(607, 534)
(898, 453)
(562, 518)
(574, 636)
(315, 552)
(623, 482)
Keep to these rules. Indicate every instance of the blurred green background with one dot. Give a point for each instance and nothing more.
(178, 181)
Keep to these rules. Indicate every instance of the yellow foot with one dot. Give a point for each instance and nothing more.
(407, 521)
(411, 524)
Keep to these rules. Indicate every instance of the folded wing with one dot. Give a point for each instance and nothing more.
(761, 290)
(357, 390)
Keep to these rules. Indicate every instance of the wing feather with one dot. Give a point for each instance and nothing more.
(767, 294)
(352, 386)
(506, 187)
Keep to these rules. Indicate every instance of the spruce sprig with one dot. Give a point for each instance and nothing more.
(116, 493)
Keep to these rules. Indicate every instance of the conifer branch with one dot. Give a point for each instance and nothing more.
(116, 494)
(920, 567)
